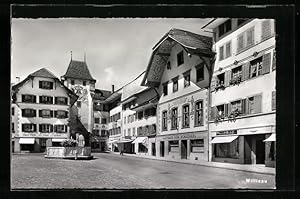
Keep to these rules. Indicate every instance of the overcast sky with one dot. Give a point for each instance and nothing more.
(117, 49)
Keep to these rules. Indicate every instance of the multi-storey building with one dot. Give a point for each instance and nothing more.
(40, 112)
(180, 70)
(242, 122)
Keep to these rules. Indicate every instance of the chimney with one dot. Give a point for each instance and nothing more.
(112, 88)
(17, 80)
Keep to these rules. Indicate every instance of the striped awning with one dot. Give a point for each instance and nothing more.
(26, 141)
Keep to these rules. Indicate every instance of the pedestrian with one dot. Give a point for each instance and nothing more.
(121, 153)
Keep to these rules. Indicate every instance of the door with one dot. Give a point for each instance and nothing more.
(183, 149)
(260, 152)
(153, 149)
(162, 148)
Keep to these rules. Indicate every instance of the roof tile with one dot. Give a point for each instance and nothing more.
(78, 70)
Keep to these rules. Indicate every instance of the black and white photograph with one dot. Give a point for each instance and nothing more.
(143, 103)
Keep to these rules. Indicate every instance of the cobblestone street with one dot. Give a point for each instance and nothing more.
(111, 171)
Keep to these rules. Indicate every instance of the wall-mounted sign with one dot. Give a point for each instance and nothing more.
(42, 135)
(182, 136)
(226, 132)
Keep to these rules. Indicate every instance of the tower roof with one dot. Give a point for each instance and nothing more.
(78, 70)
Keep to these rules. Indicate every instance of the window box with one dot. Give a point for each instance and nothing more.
(219, 86)
(219, 118)
(232, 116)
(235, 80)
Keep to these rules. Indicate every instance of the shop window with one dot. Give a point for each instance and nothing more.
(60, 128)
(256, 67)
(60, 114)
(46, 99)
(142, 148)
(200, 72)
(174, 118)
(29, 98)
(97, 120)
(165, 88)
(180, 59)
(174, 146)
(164, 121)
(28, 112)
(29, 127)
(78, 104)
(175, 84)
(45, 85)
(45, 113)
(61, 100)
(224, 27)
(199, 113)
(197, 146)
(45, 128)
(227, 150)
(187, 78)
(186, 116)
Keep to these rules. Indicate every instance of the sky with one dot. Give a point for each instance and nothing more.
(117, 49)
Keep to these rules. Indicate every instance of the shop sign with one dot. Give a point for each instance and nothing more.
(178, 137)
(226, 132)
(46, 135)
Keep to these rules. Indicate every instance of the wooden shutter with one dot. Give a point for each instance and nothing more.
(274, 61)
(229, 108)
(55, 128)
(257, 103)
(250, 37)
(226, 113)
(244, 106)
(266, 62)
(245, 71)
(40, 113)
(265, 29)
(273, 100)
(213, 83)
(227, 77)
(240, 42)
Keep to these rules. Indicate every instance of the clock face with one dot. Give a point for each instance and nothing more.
(81, 92)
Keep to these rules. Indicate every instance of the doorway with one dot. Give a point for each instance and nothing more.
(183, 149)
(162, 149)
(153, 149)
(260, 152)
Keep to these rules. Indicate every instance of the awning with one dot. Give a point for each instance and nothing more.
(112, 141)
(272, 138)
(123, 141)
(140, 140)
(58, 139)
(26, 141)
(224, 139)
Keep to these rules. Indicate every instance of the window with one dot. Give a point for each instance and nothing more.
(13, 127)
(60, 128)
(199, 113)
(220, 79)
(29, 98)
(256, 67)
(142, 148)
(84, 83)
(187, 78)
(236, 105)
(254, 104)
(46, 100)
(164, 121)
(72, 82)
(29, 127)
(165, 88)
(133, 131)
(221, 110)
(168, 65)
(45, 85)
(13, 110)
(103, 121)
(175, 84)
(224, 28)
(225, 51)
(266, 29)
(45, 128)
(245, 39)
(45, 113)
(61, 100)
(273, 100)
(78, 104)
(125, 132)
(186, 116)
(140, 115)
(236, 72)
(221, 53)
(28, 112)
(129, 132)
(174, 146)
(97, 120)
(61, 114)
(174, 118)
(200, 72)
(103, 132)
(227, 150)
(228, 49)
(180, 59)
(197, 146)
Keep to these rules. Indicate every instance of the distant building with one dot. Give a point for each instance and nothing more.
(243, 95)
(180, 70)
(40, 112)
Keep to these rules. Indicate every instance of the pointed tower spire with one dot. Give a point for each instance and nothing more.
(71, 55)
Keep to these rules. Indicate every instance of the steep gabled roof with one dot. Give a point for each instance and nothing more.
(101, 94)
(43, 72)
(78, 70)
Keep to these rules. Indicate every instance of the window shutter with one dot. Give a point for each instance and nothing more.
(51, 128)
(227, 77)
(244, 106)
(229, 108)
(240, 41)
(257, 103)
(226, 113)
(55, 128)
(273, 100)
(266, 63)
(274, 61)
(40, 113)
(34, 127)
(66, 128)
(213, 83)
(265, 29)
(250, 37)
(23, 127)
(245, 71)
(40, 128)
(40, 84)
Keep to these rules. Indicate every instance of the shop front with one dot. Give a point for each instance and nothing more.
(141, 145)
(191, 146)
(125, 146)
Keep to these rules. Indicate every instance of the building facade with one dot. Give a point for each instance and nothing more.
(243, 94)
(180, 71)
(40, 112)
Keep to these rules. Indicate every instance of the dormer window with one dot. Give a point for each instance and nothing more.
(225, 27)
(180, 59)
(45, 85)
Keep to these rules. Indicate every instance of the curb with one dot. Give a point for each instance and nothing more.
(199, 164)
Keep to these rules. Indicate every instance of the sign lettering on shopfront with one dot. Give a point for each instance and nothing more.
(47, 135)
(226, 132)
(176, 137)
